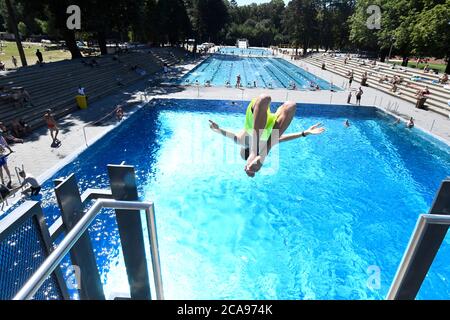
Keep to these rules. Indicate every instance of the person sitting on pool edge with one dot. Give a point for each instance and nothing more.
(263, 130)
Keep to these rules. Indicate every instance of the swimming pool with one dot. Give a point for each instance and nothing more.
(245, 52)
(308, 227)
(266, 72)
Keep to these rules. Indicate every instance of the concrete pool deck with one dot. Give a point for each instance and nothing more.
(41, 160)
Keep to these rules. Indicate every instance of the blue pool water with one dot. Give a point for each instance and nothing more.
(323, 210)
(245, 52)
(267, 72)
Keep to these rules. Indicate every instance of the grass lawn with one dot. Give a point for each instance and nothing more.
(440, 67)
(9, 49)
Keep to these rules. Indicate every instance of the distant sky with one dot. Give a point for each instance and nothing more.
(244, 2)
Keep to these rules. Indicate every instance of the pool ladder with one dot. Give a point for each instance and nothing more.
(70, 240)
(74, 223)
(424, 244)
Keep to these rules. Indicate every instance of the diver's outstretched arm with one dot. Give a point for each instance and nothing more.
(315, 129)
(237, 138)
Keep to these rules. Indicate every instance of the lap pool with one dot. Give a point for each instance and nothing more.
(245, 51)
(262, 72)
(323, 210)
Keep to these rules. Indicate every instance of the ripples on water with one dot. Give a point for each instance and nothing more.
(307, 227)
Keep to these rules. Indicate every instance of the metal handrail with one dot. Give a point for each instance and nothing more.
(92, 123)
(55, 258)
(410, 252)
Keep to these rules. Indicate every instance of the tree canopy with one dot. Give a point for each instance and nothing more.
(409, 27)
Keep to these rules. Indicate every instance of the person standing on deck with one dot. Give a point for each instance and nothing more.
(359, 93)
(238, 81)
(39, 56)
(52, 126)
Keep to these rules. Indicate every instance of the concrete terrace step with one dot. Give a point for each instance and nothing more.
(437, 107)
(436, 95)
(55, 84)
(436, 104)
(438, 88)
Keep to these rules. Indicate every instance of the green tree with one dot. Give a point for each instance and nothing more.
(174, 24)
(300, 22)
(23, 30)
(430, 32)
(417, 27)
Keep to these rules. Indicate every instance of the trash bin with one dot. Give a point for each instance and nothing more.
(81, 101)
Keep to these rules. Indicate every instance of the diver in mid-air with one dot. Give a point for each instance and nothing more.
(263, 130)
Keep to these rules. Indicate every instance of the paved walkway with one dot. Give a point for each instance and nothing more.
(41, 160)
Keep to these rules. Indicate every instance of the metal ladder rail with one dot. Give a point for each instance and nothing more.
(419, 231)
(55, 258)
(17, 170)
(424, 244)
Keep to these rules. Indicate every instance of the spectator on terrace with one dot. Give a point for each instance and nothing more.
(3, 160)
(119, 113)
(443, 79)
(364, 79)
(14, 61)
(350, 79)
(359, 93)
(52, 126)
(5, 92)
(20, 97)
(397, 80)
(7, 135)
(410, 123)
(166, 68)
(421, 98)
(2, 66)
(345, 60)
(20, 128)
(383, 79)
(394, 87)
(426, 91)
(324, 66)
(405, 61)
(39, 56)
(426, 69)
